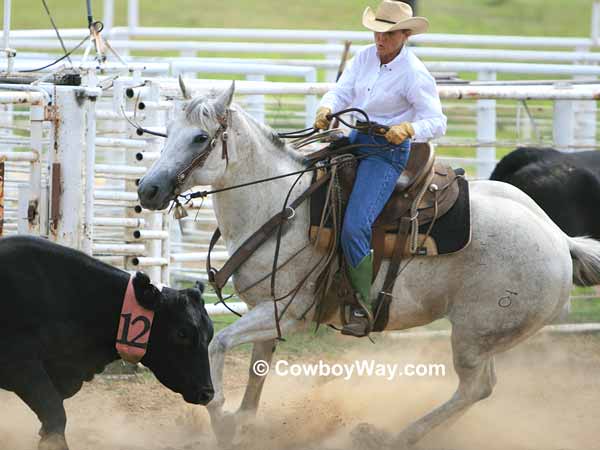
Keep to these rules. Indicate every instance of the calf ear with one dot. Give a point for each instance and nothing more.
(146, 294)
(200, 286)
(196, 294)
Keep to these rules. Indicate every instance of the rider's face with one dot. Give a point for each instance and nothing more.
(389, 43)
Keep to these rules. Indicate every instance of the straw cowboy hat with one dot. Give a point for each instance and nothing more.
(392, 15)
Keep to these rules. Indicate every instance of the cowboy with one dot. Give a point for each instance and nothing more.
(394, 88)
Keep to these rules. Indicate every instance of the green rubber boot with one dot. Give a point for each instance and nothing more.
(361, 319)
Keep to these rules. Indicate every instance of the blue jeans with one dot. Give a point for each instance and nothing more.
(376, 178)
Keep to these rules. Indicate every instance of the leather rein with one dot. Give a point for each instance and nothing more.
(218, 278)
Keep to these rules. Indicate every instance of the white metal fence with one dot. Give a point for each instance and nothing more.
(71, 165)
(73, 176)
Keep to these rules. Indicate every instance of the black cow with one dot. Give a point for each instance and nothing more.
(565, 185)
(59, 316)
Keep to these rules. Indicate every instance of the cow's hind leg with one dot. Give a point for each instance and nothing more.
(33, 385)
(477, 377)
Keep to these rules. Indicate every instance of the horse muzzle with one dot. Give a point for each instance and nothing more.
(155, 196)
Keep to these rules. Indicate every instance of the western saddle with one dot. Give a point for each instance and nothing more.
(425, 191)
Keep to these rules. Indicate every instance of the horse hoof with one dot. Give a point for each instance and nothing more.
(225, 429)
(53, 442)
(368, 437)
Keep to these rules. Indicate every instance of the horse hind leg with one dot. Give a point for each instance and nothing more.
(477, 378)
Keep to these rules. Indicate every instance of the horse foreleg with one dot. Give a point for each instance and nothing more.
(258, 325)
(262, 351)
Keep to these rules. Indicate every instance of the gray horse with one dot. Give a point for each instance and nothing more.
(518, 257)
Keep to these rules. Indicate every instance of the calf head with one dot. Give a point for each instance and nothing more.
(178, 347)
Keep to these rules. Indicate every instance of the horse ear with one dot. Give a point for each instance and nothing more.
(146, 294)
(184, 90)
(223, 101)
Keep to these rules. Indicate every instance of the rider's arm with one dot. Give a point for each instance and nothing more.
(429, 121)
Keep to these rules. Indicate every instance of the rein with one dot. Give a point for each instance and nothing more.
(218, 278)
(316, 156)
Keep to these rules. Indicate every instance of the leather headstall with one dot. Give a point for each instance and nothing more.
(199, 160)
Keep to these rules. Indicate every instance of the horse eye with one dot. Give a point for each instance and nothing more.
(199, 139)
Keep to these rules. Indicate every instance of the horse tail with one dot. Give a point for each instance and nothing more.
(585, 252)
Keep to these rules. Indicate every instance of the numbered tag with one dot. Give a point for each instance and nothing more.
(134, 327)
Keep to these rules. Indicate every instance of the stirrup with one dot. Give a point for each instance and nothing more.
(361, 321)
(357, 327)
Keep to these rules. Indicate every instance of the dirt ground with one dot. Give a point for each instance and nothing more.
(547, 397)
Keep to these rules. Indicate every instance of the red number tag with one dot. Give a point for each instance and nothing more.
(134, 327)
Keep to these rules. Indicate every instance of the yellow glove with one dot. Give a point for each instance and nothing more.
(321, 121)
(399, 133)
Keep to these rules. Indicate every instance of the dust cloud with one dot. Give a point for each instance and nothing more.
(547, 397)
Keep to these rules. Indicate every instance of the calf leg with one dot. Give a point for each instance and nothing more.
(32, 384)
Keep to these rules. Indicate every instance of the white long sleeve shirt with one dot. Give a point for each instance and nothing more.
(401, 91)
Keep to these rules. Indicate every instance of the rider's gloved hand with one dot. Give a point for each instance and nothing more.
(399, 133)
(322, 121)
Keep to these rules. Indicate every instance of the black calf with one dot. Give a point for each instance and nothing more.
(59, 315)
(565, 185)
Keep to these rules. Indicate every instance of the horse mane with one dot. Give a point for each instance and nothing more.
(271, 135)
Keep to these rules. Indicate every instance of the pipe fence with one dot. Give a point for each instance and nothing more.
(71, 165)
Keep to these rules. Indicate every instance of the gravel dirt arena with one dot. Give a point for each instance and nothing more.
(547, 397)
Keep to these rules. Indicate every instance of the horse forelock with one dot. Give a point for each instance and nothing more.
(198, 110)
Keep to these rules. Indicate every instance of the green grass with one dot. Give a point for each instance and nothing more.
(585, 311)
(520, 17)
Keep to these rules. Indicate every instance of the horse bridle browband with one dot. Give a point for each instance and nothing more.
(199, 160)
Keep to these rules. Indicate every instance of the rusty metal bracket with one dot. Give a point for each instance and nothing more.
(32, 211)
(50, 113)
(1, 196)
(55, 197)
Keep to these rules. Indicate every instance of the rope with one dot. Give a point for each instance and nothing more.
(73, 50)
(62, 44)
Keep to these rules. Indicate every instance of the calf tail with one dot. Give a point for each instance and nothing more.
(585, 252)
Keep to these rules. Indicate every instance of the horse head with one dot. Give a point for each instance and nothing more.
(195, 152)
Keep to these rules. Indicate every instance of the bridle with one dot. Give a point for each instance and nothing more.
(199, 160)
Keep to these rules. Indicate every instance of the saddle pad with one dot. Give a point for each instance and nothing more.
(452, 231)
